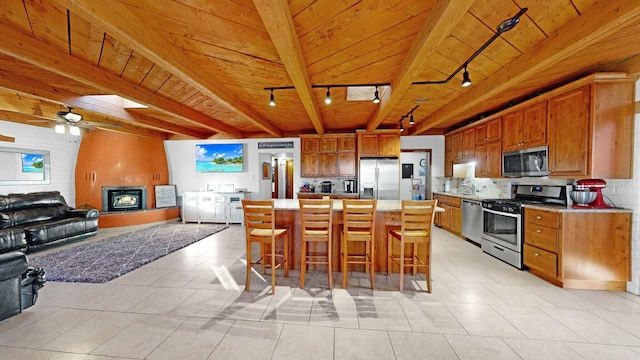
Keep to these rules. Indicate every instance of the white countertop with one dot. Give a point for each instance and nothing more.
(382, 205)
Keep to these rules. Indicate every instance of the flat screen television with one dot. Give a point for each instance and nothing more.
(219, 158)
(32, 163)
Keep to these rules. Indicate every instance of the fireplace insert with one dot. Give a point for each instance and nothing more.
(124, 198)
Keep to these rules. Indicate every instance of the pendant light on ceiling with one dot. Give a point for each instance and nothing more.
(272, 100)
(466, 81)
(327, 98)
(376, 98)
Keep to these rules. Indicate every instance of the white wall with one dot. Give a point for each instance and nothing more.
(182, 172)
(63, 150)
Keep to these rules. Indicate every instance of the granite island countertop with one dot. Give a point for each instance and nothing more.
(382, 205)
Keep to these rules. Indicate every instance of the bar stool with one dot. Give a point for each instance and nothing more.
(316, 221)
(259, 221)
(358, 226)
(416, 221)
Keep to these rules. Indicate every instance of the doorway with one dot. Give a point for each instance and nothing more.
(415, 183)
(282, 176)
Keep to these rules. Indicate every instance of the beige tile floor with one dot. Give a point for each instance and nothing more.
(190, 305)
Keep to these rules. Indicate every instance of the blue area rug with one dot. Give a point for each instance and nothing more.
(103, 260)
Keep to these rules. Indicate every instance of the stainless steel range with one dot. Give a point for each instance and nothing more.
(503, 221)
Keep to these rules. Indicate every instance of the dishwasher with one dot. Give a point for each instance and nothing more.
(472, 220)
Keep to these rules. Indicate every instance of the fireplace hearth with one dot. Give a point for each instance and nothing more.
(124, 198)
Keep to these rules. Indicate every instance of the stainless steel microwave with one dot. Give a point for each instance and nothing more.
(526, 162)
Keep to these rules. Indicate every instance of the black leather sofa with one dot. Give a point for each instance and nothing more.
(30, 222)
(44, 219)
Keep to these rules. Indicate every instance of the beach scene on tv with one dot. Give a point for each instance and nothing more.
(219, 158)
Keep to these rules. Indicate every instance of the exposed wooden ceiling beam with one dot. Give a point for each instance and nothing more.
(31, 111)
(277, 19)
(596, 23)
(442, 18)
(25, 48)
(30, 87)
(128, 28)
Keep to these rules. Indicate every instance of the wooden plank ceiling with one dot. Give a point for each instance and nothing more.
(201, 67)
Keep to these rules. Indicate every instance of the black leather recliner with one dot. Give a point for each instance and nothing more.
(30, 222)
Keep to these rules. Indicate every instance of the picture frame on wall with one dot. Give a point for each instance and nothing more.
(266, 170)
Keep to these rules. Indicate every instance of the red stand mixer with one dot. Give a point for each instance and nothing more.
(593, 185)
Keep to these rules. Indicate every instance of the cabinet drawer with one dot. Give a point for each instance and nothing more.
(543, 237)
(449, 200)
(541, 217)
(541, 260)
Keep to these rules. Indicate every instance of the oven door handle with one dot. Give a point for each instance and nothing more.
(501, 213)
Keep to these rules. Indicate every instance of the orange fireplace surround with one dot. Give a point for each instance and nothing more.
(108, 158)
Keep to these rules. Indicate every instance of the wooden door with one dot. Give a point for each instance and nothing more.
(569, 133)
(512, 131)
(481, 160)
(493, 165)
(389, 145)
(456, 145)
(309, 165)
(274, 180)
(328, 165)
(368, 144)
(534, 125)
(469, 143)
(289, 184)
(347, 164)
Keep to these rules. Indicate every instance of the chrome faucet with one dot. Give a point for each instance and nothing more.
(471, 187)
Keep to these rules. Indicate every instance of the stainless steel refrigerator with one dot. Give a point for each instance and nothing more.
(380, 179)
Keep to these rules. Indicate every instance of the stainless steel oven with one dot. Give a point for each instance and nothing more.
(503, 224)
(502, 231)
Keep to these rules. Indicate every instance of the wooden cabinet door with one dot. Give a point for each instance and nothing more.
(448, 143)
(569, 133)
(494, 130)
(309, 165)
(347, 144)
(389, 145)
(456, 146)
(328, 164)
(310, 144)
(493, 164)
(368, 144)
(534, 125)
(445, 218)
(512, 131)
(347, 164)
(448, 164)
(456, 220)
(329, 144)
(469, 143)
(481, 161)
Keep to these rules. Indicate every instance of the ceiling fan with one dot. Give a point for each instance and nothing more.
(73, 120)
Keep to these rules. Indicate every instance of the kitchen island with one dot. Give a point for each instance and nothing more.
(387, 214)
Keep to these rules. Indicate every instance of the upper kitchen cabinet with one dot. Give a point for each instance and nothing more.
(591, 128)
(525, 128)
(489, 131)
(381, 143)
(329, 155)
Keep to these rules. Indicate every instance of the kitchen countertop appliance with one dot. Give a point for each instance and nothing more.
(349, 186)
(472, 220)
(503, 225)
(380, 178)
(583, 186)
(326, 186)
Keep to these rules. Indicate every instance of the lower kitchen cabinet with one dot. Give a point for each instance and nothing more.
(214, 207)
(585, 249)
(451, 218)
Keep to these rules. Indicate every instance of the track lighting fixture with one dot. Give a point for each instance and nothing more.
(411, 121)
(408, 115)
(466, 81)
(500, 29)
(376, 98)
(401, 127)
(272, 100)
(327, 98)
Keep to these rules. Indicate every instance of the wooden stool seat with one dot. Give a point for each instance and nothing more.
(259, 222)
(316, 222)
(358, 226)
(416, 221)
